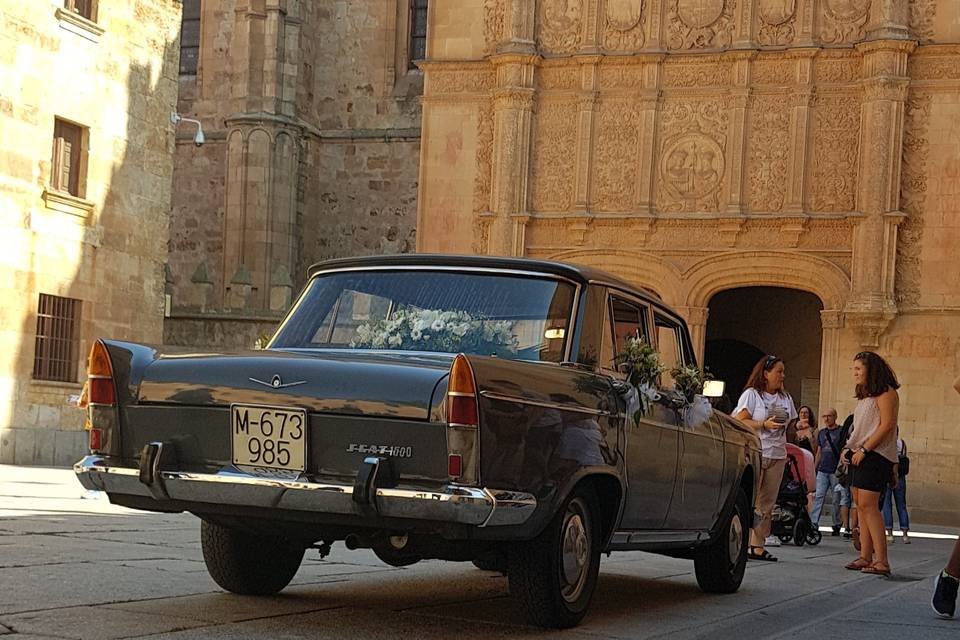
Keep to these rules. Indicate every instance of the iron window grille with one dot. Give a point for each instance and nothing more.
(57, 346)
(418, 31)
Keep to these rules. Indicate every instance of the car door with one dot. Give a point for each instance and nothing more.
(650, 450)
(696, 495)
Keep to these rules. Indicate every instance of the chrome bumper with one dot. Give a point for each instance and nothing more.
(463, 505)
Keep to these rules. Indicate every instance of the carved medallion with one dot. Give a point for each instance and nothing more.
(624, 15)
(700, 14)
(692, 165)
(846, 10)
(777, 12)
(559, 28)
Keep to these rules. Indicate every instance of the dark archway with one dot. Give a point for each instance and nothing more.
(747, 322)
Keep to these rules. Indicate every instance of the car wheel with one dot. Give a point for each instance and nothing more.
(800, 530)
(247, 563)
(555, 574)
(720, 565)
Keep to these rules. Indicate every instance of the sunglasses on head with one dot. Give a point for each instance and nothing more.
(771, 360)
(863, 355)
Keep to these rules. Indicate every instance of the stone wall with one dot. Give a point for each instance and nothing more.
(115, 76)
(696, 146)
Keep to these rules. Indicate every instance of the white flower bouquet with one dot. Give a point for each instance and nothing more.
(440, 331)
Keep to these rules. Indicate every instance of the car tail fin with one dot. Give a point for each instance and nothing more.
(99, 397)
(463, 423)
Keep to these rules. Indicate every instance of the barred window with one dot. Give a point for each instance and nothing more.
(190, 38)
(67, 165)
(58, 339)
(85, 8)
(418, 31)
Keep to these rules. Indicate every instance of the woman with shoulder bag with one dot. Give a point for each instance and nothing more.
(897, 493)
(766, 407)
(871, 452)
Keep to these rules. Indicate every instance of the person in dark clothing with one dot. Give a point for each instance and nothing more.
(828, 456)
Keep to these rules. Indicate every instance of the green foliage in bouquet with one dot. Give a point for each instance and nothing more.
(689, 380)
(642, 362)
(440, 331)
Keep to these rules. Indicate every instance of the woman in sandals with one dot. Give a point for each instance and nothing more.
(766, 407)
(872, 452)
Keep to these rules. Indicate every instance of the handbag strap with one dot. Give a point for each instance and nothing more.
(833, 446)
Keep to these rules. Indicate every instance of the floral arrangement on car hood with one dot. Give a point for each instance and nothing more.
(440, 331)
(689, 380)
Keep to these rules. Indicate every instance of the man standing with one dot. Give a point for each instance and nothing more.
(828, 456)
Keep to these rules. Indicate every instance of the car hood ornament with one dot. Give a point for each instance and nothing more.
(276, 382)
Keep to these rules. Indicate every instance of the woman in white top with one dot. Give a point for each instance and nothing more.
(766, 407)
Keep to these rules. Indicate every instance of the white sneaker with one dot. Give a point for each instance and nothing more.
(771, 541)
(890, 539)
(906, 538)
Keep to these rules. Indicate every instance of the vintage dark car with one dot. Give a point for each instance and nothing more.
(451, 407)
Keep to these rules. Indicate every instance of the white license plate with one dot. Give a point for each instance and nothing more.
(271, 437)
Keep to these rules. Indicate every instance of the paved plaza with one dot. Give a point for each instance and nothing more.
(77, 567)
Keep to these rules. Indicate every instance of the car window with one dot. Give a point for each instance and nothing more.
(625, 321)
(670, 345)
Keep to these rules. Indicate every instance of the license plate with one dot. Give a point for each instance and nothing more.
(271, 437)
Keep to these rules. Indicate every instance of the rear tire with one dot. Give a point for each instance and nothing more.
(721, 564)
(247, 563)
(555, 574)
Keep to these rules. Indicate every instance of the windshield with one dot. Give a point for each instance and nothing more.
(510, 316)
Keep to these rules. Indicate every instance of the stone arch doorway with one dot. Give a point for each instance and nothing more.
(746, 322)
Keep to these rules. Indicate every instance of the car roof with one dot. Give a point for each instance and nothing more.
(578, 273)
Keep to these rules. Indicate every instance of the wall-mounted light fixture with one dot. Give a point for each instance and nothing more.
(199, 139)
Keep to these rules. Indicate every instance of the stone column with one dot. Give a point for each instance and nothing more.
(801, 100)
(696, 318)
(832, 323)
(648, 106)
(737, 132)
(871, 306)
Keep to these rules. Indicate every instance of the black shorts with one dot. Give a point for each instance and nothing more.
(873, 474)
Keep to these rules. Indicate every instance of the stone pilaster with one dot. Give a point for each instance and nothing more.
(586, 116)
(737, 132)
(832, 322)
(696, 318)
(801, 100)
(871, 306)
(805, 23)
(743, 38)
(648, 106)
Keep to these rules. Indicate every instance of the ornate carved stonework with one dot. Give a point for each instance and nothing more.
(558, 78)
(923, 13)
(768, 156)
(481, 184)
(834, 69)
(621, 76)
(935, 67)
(698, 24)
(773, 69)
(467, 78)
(844, 20)
(836, 130)
(623, 25)
(615, 160)
(777, 21)
(691, 162)
(559, 25)
(493, 15)
(554, 155)
(913, 194)
(705, 72)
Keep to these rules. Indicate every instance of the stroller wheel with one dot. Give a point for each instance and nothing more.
(786, 537)
(800, 530)
(814, 536)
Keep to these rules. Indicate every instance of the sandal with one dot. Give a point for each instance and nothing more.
(763, 555)
(877, 569)
(856, 538)
(857, 565)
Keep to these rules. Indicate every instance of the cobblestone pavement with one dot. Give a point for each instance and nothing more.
(72, 567)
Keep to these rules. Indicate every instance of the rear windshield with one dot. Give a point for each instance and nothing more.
(523, 318)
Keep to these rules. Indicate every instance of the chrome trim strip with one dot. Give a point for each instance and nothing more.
(453, 503)
(547, 405)
(460, 425)
(461, 394)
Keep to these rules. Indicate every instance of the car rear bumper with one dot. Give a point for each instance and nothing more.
(481, 507)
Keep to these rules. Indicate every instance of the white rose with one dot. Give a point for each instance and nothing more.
(395, 340)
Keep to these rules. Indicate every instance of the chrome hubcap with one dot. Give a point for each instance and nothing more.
(735, 542)
(574, 554)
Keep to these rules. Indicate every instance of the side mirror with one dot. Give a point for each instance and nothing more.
(713, 388)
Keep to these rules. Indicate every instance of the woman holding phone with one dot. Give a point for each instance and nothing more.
(871, 452)
(767, 407)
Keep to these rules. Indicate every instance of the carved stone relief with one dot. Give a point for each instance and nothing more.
(623, 28)
(691, 161)
(844, 20)
(923, 13)
(698, 24)
(618, 143)
(493, 16)
(484, 163)
(913, 192)
(559, 25)
(934, 67)
(768, 155)
(558, 78)
(554, 155)
(777, 20)
(706, 72)
(773, 69)
(469, 78)
(836, 130)
(621, 76)
(832, 69)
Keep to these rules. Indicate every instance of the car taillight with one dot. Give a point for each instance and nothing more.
(463, 422)
(100, 387)
(96, 440)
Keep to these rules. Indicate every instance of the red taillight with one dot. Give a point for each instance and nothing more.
(96, 440)
(455, 465)
(100, 376)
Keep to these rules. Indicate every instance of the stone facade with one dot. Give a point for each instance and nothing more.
(115, 76)
(312, 116)
(699, 146)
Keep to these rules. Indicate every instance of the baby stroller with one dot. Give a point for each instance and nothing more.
(790, 520)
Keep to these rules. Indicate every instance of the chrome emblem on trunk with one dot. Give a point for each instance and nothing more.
(381, 449)
(277, 382)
